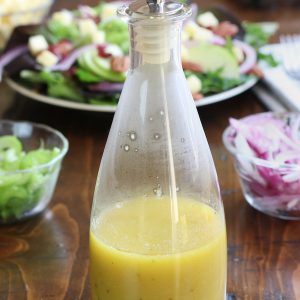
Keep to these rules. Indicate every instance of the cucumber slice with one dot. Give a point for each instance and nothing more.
(10, 142)
(86, 61)
(20, 192)
(14, 179)
(100, 67)
(107, 73)
(37, 157)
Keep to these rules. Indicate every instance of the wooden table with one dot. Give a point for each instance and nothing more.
(47, 257)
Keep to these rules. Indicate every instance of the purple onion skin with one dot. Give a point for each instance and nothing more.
(25, 61)
(105, 87)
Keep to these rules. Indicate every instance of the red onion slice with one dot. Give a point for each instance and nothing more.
(67, 62)
(10, 55)
(250, 56)
(106, 86)
(218, 40)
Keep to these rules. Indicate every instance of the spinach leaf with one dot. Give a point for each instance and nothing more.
(268, 58)
(87, 76)
(57, 84)
(214, 82)
(255, 36)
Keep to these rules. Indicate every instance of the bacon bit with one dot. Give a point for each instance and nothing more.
(96, 19)
(102, 52)
(197, 96)
(120, 64)
(257, 71)
(61, 49)
(225, 29)
(190, 66)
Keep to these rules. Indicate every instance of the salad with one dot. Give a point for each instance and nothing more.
(82, 55)
(22, 187)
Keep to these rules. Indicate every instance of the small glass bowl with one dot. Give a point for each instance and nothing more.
(275, 197)
(27, 192)
(15, 13)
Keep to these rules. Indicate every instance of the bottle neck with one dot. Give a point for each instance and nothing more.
(155, 44)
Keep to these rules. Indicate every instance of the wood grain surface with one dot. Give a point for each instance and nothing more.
(47, 256)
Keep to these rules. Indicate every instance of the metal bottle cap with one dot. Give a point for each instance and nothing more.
(154, 8)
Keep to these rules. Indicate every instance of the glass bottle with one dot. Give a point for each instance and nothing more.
(157, 226)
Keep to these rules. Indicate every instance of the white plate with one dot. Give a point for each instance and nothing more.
(111, 108)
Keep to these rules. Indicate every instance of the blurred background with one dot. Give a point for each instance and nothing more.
(253, 10)
(12, 11)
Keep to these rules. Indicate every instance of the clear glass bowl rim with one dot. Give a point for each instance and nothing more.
(255, 160)
(47, 128)
(47, 4)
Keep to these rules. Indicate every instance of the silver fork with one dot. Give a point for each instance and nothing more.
(290, 54)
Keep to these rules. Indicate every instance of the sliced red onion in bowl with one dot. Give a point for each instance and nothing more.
(268, 161)
(10, 55)
(295, 135)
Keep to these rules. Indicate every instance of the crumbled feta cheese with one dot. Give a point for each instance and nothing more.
(194, 32)
(109, 10)
(208, 19)
(114, 50)
(194, 84)
(63, 17)
(37, 44)
(87, 27)
(203, 34)
(98, 37)
(184, 53)
(47, 59)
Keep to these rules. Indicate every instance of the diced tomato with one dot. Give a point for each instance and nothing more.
(97, 19)
(102, 52)
(197, 96)
(120, 64)
(225, 29)
(62, 48)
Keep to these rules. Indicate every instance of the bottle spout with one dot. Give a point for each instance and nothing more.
(155, 6)
(153, 24)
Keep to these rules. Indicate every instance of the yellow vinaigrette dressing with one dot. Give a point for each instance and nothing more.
(137, 254)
